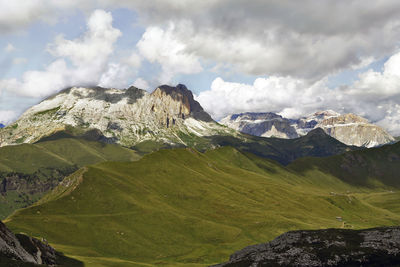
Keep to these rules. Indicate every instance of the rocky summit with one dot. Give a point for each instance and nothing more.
(330, 247)
(261, 124)
(126, 117)
(349, 129)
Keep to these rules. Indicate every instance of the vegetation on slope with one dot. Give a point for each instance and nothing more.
(368, 167)
(181, 207)
(315, 144)
(27, 171)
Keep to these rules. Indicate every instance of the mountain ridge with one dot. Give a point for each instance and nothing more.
(129, 116)
(348, 128)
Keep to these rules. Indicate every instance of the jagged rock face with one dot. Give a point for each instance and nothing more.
(331, 247)
(125, 116)
(349, 129)
(23, 248)
(261, 124)
(355, 130)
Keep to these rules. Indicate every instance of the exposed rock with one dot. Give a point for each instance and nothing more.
(330, 247)
(355, 130)
(123, 116)
(15, 250)
(349, 129)
(261, 124)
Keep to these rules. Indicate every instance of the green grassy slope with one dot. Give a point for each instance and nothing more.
(29, 170)
(315, 144)
(368, 167)
(181, 207)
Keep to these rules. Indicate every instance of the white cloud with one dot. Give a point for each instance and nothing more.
(89, 56)
(7, 116)
(19, 60)
(134, 60)
(301, 39)
(160, 46)
(376, 95)
(115, 76)
(9, 48)
(276, 94)
(90, 52)
(141, 84)
(17, 15)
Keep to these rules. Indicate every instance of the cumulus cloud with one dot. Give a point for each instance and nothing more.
(160, 46)
(88, 56)
(7, 116)
(19, 60)
(375, 95)
(301, 39)
(9, 48)
(304, 39)
(141, 84)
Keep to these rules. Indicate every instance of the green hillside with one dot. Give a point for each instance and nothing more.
(27, 171)
(315, 144)
(369, 167)
(180, 207)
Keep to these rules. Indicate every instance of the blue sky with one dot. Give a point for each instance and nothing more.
(284, 57)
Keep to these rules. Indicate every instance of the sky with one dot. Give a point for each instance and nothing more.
(282, 56)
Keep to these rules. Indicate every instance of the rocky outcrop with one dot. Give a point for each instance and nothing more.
(126, 116)
(355, 130)
(349, 129)
(181, 101)
(261, 124)
(22, 250)
(330, 247)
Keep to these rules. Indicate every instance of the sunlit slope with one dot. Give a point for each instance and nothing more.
(29, 170)
(183, 207)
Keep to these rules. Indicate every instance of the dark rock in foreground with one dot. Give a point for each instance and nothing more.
(330, 247)
(22, 250)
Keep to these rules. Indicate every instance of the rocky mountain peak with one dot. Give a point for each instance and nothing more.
(265, 124)
(349, 128)
(187, 106)
(256, 116)
(326, 113)
(125, 116)
(343, 119)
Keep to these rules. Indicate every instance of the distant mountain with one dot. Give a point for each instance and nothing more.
(355, 130)
(348, 128)
(22, 250)
(366, 167)
(127, 117)
(261, 124)
(315, 143)
(330, 247)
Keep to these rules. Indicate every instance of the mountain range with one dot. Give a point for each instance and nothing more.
(347, 128)
(128, 178)
(126, 117)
